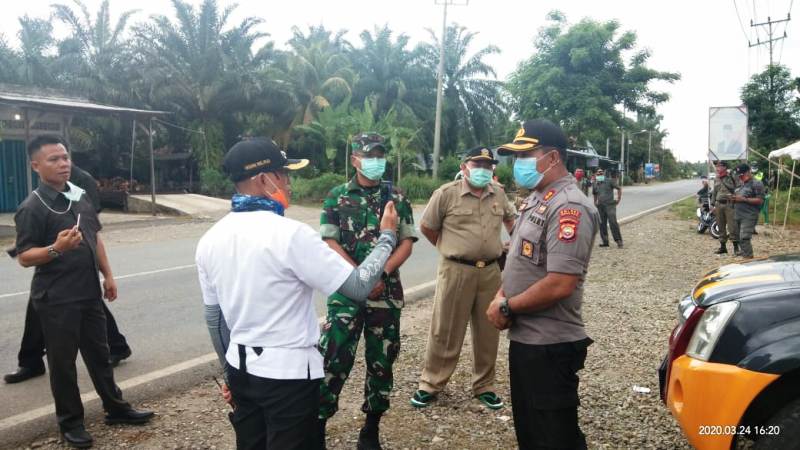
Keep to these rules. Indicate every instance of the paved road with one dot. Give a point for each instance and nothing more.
(158, 309)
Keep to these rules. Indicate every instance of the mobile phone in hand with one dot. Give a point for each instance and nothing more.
(386, 194)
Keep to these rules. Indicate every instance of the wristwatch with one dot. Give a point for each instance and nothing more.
(52, 252)
(505, 309)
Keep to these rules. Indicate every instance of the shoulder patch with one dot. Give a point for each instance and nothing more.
(568, 221)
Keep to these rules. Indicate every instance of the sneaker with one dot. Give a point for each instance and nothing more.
(421, 399)
(604, 244)
(491, 400)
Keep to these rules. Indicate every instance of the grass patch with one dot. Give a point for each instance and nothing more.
(793, 220)
(685, 209)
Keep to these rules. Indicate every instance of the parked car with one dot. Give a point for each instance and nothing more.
(733, 366)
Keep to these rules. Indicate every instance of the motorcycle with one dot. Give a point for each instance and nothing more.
(706, 220)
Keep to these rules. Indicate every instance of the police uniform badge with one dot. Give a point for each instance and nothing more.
(542, 209)
(549, 194)
(527, 249)
(568, 221)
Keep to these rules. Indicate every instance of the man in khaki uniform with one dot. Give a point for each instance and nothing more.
(542, 292)
(463, 220)
(724, 188)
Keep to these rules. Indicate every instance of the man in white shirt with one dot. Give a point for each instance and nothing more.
(257, 272)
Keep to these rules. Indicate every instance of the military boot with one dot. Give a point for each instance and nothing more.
(736, 251)
(368, 436)
(722, 249)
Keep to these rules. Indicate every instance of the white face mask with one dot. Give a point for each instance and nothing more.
(74, 193)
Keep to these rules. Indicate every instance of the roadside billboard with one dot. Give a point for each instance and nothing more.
(649, 170)
(727, 133)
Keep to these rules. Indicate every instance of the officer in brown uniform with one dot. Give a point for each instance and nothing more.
(542, 292)
(463, 220)
(724, 188)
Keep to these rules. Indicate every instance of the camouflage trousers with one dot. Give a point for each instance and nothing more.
(339, 342)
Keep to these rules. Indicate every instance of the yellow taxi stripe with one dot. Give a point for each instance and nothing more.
(741, 280)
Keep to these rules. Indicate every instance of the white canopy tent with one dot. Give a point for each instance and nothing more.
(793, 152)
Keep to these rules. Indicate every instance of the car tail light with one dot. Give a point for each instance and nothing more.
(681, 335)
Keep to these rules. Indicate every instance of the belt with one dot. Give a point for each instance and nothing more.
(478, 264)
(722, 202)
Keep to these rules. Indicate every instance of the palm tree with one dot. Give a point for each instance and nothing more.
(203, 69)
(385, 70)
(36, 39)
(471, 99)
(100, 49)
(319, 70)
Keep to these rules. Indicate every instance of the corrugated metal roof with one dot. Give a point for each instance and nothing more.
(71, 104)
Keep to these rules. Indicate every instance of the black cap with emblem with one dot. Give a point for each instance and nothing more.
(253, 156)
(536, 133)
(480, 153)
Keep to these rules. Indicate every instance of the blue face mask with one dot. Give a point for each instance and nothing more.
(600, 178)
(373, 168)
(74, 193)
(526, 175)
(479, 177)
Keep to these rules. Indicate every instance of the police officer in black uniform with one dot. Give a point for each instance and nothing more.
(31, 349)
(57, 233)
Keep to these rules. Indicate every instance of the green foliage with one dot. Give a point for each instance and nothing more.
(505, 175)
(309, 189)
(214, 183)
(419, 188)
(773, 108)
(685, 209)
(449, 167)
(579, 77)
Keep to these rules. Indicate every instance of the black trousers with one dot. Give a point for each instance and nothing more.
(544, 394)
(31, 349)
(608, 217)
(273, 414)
(68, 328)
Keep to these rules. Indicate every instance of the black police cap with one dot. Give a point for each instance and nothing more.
(533, 134)
(480, 153)
(253, 156)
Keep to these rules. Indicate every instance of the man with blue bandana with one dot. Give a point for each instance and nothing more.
(464, 219)
(542, 292)
(350, 226)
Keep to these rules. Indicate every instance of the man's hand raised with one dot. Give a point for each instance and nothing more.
(389, 219)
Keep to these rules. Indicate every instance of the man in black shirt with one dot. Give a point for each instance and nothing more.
(57, 232)
(32, 346)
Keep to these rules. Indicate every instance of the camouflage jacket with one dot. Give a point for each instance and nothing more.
(351, 217)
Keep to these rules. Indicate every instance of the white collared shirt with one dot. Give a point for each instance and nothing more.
(262, 269)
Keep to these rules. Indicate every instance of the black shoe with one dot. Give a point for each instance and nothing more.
(722, 250)
(321, 433)
(129, 417)
(115, 359)
(736, 250)
(619, 244)
(78, 438)
(368, 439)
(604, 244)
(23, 373)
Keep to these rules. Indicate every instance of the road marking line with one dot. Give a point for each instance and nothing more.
(123, 277)
(139, 380)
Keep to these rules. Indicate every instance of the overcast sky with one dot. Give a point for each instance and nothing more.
(701, 39)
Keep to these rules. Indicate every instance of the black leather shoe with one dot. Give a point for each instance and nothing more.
(23, 373)
(78, 438)
(129, 417)
(604, 244)
(115, 359)
(619, 244)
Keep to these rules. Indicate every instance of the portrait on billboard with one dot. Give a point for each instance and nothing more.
(727, 133)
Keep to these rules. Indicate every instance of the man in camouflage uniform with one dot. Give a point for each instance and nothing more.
(350, 225)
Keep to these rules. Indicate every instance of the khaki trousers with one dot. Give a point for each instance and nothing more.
(728, 227)
(463, 293)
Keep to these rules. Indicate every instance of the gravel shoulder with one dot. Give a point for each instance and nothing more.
(629, 309)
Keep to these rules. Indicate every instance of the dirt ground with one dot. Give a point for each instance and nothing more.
(629, 309)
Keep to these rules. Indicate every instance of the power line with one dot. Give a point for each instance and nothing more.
(741, 25)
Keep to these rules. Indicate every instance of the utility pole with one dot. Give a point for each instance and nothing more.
(437, 131)
(649, 144)
(771, 42)
(622, 157)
